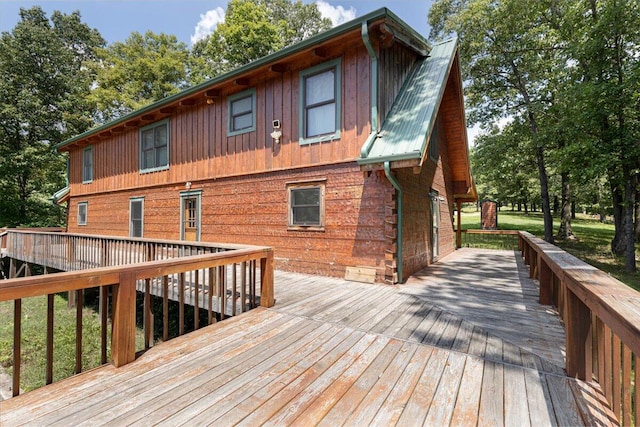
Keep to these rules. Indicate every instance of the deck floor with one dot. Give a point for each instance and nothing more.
(464, 343)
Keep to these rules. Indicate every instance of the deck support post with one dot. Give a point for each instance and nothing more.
(546, 284)
(266, 280)
(123, 340)
(578, 337)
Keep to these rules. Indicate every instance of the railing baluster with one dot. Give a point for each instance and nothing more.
(79, 304)
(17, 339)
(104, 317)
(636, 391)
(243, 287)
(148, 331)
(234, 290)
(626, 386)
(165, 308)
(211, 288)
(181, 285)
(49, 350)
(196, 305)
(617, 368)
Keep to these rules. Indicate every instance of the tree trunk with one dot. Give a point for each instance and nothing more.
(629, 208)
(565, 232)
(556, 206)
(573, 209)
(637, 219)
(618, 245)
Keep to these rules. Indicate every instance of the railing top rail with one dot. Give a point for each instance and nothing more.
(481, 231)
(24, 287)
(617, 304)
(139, 239)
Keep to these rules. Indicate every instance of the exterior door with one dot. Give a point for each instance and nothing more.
(435, 226)
(190, 218)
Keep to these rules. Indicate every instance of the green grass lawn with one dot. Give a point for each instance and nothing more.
(592, 245)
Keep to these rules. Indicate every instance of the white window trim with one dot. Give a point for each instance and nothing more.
(318, 69)
(164, 122)
(86, 213)
(301, 186)
(235, 97)
(131, 201)
(86, 149)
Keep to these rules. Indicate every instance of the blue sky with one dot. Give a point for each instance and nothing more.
(116, 19)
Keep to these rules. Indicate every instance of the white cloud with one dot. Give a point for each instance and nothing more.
(208, 22)
(337, 14)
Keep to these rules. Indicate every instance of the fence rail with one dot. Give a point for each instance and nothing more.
(602, 323)
(490, 239)
(224, 279)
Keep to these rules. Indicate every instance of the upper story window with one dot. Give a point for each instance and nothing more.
(242, 112)
(82, 213)
(87, 165)
(320, 103)
(154, 147)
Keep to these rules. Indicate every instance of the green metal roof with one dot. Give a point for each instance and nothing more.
(417, 40)
(405, 132)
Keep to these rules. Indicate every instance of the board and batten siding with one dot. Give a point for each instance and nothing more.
(253, 209)
(394, 64)
(200, 148)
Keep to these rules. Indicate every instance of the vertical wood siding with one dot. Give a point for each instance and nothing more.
(394, 63)
(200, 148)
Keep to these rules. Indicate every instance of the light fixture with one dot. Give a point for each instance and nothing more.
(210, 101)
(276, 134)
(188, 185)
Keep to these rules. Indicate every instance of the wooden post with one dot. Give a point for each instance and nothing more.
(577, 327)
(123, 339)
(266, 280)
(458, 227)
(546, 284)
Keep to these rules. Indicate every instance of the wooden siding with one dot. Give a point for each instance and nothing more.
(253, 209)
(394, 64)
(199, 145)
(417, 211)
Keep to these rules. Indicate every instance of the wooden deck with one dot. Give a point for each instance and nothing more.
(465, 343)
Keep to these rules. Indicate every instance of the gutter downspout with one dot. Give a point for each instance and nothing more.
(392, 179)
(374, 91)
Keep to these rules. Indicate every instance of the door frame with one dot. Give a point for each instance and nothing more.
(184, 196)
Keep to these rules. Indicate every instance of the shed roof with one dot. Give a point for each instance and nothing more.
(406, 130)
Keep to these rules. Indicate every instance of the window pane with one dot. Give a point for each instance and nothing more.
(147, 139)
(307, 196)
(148, 159)
(136, 228)
(242, 122)
(240, 106)
(320, 88)
(161, 136)
(136, 210)
(321, 120)
(162, 158)
(306, 215)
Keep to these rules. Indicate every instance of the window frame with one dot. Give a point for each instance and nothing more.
(85, 205)
(154, 125)
(85, 180)
(238, 97)
(291, 188)
(335, 64)
(133, 200)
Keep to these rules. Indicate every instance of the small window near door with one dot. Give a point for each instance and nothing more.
(136, 217)
(306, 206)
(82, 213)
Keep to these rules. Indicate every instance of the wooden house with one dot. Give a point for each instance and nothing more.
(346, 153)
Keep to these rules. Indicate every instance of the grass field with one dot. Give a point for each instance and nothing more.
(592, 245)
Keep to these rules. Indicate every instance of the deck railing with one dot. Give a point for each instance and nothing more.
(219, 278)
(602, 323)
(489, 239)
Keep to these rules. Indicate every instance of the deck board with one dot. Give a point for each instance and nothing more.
(332, 352)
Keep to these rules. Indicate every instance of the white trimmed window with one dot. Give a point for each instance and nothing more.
(320, 103)
(136, 217)
(82, 213)
(154, 147)
(87, 165)
(306, 206)
(242, 112)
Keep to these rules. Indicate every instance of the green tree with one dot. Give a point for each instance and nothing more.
(137, 72)
(253, 29)
(508, 55)
(43, 86)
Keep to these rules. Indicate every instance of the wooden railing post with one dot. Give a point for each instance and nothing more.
(546, 284)
(578, 342)
(123, 340)
(266, 280)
